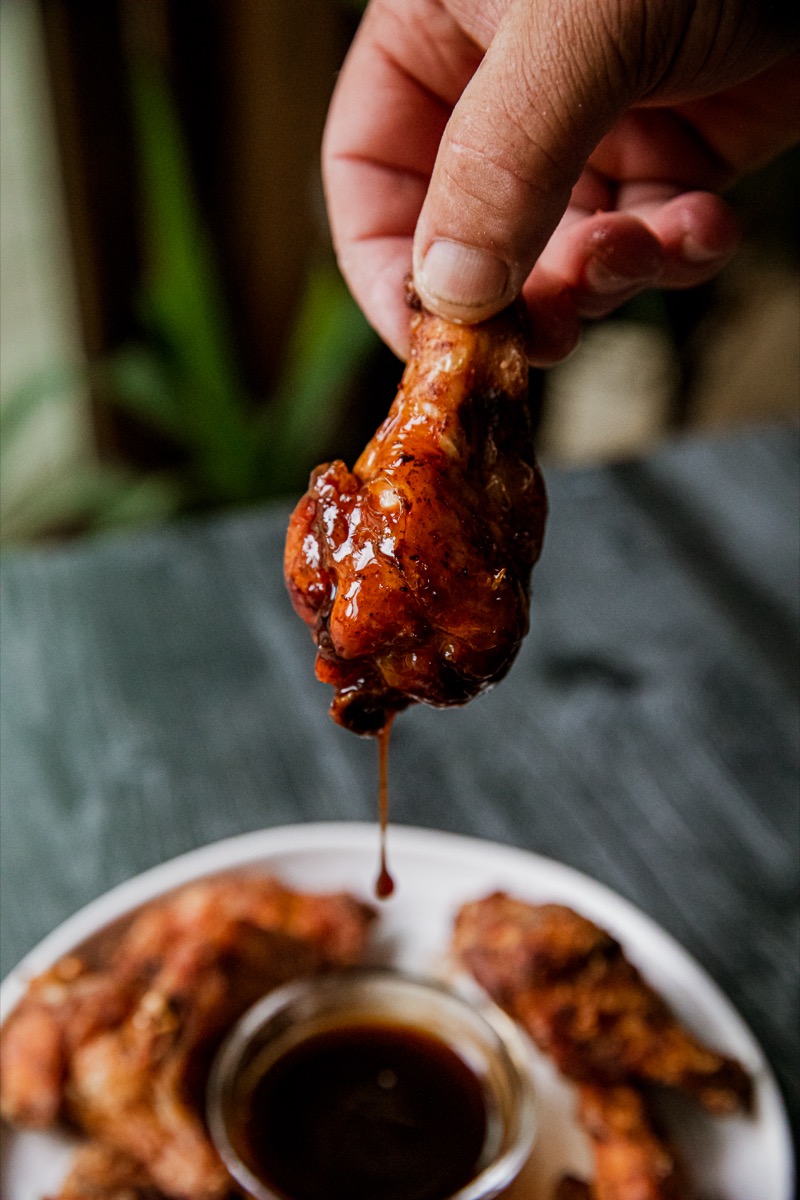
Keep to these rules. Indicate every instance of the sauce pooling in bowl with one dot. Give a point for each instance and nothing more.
(360, 1112)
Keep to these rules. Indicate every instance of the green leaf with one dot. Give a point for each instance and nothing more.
(20, 405)
(329, 342)
(68, 499)
(143, 501)
(89, 496)
(183, 299)
(182, 379)
(136, 379)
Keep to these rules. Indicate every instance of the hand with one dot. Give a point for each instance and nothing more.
(570, 150)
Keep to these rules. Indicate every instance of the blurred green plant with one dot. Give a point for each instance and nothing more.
(182, 378)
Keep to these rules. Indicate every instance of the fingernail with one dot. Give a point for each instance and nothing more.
(467, 276)
(695, 252)
(602, 279)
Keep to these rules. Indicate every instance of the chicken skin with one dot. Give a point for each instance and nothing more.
(572, 988)
(413, 570)
(121, 1048)
(632, 1160)
(100, 1173)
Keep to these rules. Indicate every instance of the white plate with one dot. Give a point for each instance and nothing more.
(738, 1158)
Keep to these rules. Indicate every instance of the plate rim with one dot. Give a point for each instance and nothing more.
(242, 849)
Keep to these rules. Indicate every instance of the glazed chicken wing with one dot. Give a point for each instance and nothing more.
(570, 985)
(121, 1049)
(413, 570)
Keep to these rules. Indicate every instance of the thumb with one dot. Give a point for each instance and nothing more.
(552, 82)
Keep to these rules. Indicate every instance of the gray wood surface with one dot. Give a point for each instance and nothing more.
(158, 694)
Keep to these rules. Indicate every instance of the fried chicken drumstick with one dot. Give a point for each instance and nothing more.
(121, 1048)
(413, 570)
(572, 988)
(632, 1160)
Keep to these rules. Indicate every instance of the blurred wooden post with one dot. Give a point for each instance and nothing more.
(88, 83)
(279, 63)
(252, 80)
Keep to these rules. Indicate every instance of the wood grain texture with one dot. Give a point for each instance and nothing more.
(158, 694)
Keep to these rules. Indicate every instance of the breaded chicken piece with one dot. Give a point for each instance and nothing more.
(572, 988)
(632, 1160)
(62, 1009)
(100, 1173)
(121, 1050)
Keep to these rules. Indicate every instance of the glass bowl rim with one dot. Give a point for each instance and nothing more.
(517, 1053)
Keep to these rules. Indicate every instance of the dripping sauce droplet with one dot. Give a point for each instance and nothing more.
(384, 884)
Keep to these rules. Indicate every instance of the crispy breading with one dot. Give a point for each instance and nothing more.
(100, 1173)
(632, 1159)
(128, 1043)
(570, 985)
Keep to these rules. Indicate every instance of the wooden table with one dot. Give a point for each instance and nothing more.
(158, 694)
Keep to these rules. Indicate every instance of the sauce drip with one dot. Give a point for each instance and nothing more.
(384, 884)
(364, 1112)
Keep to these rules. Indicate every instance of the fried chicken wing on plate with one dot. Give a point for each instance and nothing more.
(632, 1160)
(127, 1044)
(100, 1173)
(570, 985)
(413, 569)
(63, 1008)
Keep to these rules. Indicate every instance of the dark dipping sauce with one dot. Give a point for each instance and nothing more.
(367, 1112)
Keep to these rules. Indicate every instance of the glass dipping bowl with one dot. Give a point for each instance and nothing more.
(491, 1046)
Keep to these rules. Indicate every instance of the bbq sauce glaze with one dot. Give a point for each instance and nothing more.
(366, 1112)
(384, 884)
